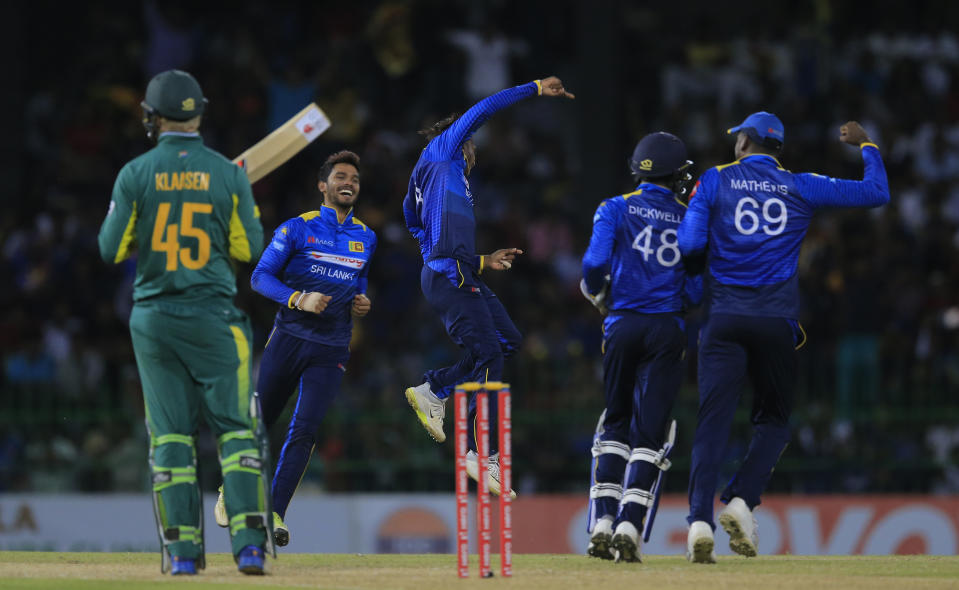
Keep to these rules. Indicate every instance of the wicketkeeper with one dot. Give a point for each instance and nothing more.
(634, 274)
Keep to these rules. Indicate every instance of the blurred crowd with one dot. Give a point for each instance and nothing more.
(876, 409)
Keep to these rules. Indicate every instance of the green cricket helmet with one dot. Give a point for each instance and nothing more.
(174, 95)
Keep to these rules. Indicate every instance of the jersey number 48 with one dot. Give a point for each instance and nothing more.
(667, 254)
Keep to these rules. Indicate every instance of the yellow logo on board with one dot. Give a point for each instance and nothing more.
(189, 104)
(356, 246)
(646, 164)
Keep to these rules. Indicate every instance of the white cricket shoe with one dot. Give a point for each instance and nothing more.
(219, 511)
(626, 543)
(700, 544)
(738, 520)
(601, 538)
(429, 409)
(492, 472)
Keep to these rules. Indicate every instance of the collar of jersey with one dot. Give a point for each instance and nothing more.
(650, 187)
(328, 214)
(773, 158)
(174, 135)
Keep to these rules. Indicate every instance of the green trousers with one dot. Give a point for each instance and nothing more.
(195, 361)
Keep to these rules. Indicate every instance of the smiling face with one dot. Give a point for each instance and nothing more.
(342, 187)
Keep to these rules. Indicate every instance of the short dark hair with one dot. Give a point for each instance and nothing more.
(765, 145)
(440, 126)
(341, 157)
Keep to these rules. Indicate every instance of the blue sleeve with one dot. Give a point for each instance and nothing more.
(361, 281)
(871, 191)
(693, 290)
(413, 223)
(599, 254)
(447, 145)
(265, 279)
(693, 232)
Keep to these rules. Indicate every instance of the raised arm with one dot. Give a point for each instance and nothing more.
(871, 191)
(447, 144)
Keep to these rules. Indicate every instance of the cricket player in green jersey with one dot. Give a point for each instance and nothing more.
(189, 213)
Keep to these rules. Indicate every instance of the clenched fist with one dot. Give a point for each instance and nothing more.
(361, 305)
(853, 134)
(314, 302)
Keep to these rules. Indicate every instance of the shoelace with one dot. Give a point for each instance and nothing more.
(492, 466)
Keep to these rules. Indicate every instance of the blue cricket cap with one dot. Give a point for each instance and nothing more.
(762, 126)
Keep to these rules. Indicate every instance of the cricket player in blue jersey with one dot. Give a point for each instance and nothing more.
(316, 268)
(439, 213)
(749, 218)
(633, 272)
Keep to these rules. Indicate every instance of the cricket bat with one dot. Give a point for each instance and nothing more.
(283, 143)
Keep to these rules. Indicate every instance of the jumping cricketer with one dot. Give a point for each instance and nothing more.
(439, 213)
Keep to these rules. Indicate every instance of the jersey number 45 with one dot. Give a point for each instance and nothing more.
(166, 238)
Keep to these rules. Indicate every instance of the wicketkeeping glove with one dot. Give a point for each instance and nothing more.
(598, 300)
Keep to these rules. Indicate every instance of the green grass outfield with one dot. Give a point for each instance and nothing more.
(93, 571)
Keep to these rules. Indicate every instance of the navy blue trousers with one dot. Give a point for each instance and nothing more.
(315, 372)
(643, 367)
(732, 349)
(476, 321)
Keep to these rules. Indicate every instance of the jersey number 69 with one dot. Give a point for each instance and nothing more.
(747, 221)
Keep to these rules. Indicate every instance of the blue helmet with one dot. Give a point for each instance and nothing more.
(657, 155)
